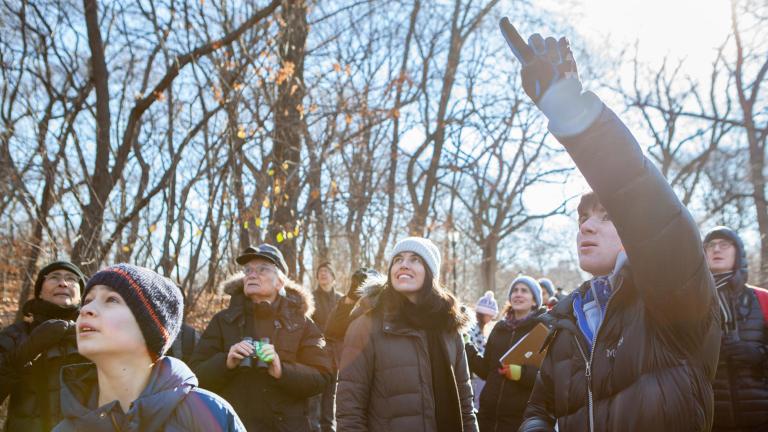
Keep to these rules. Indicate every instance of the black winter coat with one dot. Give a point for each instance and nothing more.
(741, 393)
(502, 401)
(324, 304)
(33, 388)
(656, 352)
(262, 402)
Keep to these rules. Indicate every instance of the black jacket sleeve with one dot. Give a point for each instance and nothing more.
(209, 360)
(10, 337)
(538, 413)
(311, 372)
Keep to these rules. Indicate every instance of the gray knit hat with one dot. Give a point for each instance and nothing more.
(422, 247)
(532, 285)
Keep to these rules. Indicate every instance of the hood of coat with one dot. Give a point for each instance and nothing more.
(298, 298)
(170, 382)
(371, 299)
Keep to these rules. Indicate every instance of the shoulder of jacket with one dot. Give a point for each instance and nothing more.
(202, 410)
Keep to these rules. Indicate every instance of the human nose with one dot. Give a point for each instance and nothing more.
(88, 309)
(588, 226)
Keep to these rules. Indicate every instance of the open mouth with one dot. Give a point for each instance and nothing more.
(84, 329)
(404, 276)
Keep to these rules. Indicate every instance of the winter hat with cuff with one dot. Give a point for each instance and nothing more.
(547, 285)
(422, 247)
(532, 285)
(154, 300)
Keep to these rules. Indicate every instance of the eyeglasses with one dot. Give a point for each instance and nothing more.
(718, 244)
(69, 280)
(258, 270)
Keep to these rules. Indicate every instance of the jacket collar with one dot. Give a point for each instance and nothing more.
(169, 383)
(294, 307)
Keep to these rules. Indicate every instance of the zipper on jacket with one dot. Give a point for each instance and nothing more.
(588, 362)
(114, 423)
(588, 376)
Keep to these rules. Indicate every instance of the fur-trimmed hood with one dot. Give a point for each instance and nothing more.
(295, 294)
(371, 300)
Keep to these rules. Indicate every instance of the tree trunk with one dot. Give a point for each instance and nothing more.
(394, 146)
(87, 246)
(489, 264)
(287, 131)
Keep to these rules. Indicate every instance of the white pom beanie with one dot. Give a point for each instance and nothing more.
(487, 305)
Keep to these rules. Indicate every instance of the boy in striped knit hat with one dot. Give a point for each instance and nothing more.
(130, 317)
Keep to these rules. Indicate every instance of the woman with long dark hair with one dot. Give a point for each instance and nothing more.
(507, 388)
(403, 366)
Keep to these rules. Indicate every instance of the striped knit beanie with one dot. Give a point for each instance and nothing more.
(155, 301)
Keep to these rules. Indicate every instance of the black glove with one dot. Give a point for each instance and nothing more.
(550, 78)
(553, 62)
(44, 336)
(743, 353)
(358, 278)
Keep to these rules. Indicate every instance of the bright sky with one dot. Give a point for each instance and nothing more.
(681, 29)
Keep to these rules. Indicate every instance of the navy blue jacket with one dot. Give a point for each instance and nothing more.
(170, 402)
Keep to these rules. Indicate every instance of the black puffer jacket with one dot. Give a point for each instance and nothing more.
(741, 393)
(656, 351)
(502, 401)
(34, 387)
(262, 402)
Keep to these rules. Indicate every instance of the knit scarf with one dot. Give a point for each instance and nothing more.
(446, 394)
(727, 310)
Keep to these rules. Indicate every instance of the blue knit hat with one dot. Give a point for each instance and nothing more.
(532, 285)
(154, 300)
(547, 285)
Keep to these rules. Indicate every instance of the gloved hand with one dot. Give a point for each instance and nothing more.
(551, 80)
(743, 353)
(44, 336)
(512, 372)
(358, 278)
(553, 62)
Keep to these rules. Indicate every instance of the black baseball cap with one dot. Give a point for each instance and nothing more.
(265, 251)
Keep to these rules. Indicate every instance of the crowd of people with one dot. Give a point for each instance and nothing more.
(666, 335)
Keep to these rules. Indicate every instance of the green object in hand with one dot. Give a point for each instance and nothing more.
(260, 353)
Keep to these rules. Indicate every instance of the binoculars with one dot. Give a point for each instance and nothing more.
(262, 361)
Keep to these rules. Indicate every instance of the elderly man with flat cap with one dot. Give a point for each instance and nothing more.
(264, 354)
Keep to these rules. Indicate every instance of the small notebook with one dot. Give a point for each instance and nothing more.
(526, 350)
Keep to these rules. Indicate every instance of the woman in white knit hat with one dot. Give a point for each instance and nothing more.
(403, 366)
